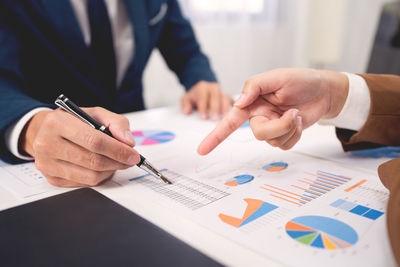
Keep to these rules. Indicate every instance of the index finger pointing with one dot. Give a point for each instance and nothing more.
(261, 84)
(232, 121)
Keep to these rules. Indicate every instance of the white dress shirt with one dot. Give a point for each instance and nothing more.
(123, 38)
(356, 108)
(122, 31)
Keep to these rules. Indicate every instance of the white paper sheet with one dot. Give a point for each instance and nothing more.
(24, 180)
(288, 210)
(321, 141)
(295, 209)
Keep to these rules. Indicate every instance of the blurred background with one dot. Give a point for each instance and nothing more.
(246, 37)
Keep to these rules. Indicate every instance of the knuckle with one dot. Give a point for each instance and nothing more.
(39, 146)
(99, 109)
(93, 141)
(231, 125)
(286, 146)
(274, 143)
(51, 119)
(258, 134)
(93, 178)
(96, 162)
(288, 125)
(281, 100)
(53, 181)
(122, 154)
(39, 165)
(184, 98)
(202, 83)
(122, 120)
(249, 82)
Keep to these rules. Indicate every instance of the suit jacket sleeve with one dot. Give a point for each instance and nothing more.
(179, 47)
(14, 103)
(382, 128)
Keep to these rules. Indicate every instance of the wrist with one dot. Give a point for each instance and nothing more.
(30, 131)
(337, 87)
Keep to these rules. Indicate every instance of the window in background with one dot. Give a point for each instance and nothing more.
(232, 12)
(240, 37)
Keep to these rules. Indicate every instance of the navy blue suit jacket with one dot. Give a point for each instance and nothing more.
(43, 54)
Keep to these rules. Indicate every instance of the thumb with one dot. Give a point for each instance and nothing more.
(117, 124)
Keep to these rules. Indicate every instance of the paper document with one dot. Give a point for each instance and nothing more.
(321, 141)
(294, 209)
(24, 180)
(280, 205)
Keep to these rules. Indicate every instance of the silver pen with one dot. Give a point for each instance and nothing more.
(66, 104)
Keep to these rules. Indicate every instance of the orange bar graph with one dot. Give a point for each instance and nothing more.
(287, 191)
(327, 175)
(308, 191)
(321, 187)
(355, 185)
(286, 200)
(273, 191)
(335, 177)
(311, 188)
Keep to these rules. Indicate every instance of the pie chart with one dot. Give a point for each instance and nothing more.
(246, 124)
(152, 137)
(321, 232)
(275, 166)
(240, 179)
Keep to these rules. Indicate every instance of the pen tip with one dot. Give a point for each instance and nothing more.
(165, 180)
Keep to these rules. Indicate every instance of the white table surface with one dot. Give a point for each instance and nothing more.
(210, 243)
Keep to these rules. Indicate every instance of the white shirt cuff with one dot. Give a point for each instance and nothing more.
(13, 133)
(355, 111)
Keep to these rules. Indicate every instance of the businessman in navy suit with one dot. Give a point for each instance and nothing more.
(94, 51)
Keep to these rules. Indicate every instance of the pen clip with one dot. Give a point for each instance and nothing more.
(65, 107)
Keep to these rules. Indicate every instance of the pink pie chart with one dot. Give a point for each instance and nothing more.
(152, 137)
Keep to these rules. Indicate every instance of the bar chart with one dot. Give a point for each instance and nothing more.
(369, 190)
(357, 209)
(308, 188)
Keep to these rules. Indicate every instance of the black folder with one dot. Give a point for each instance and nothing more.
(85, 228)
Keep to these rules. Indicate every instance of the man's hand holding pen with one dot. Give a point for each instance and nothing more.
(71, 153)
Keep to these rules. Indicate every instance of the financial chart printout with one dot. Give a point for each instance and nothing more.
(278, 204)
(294, 209)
